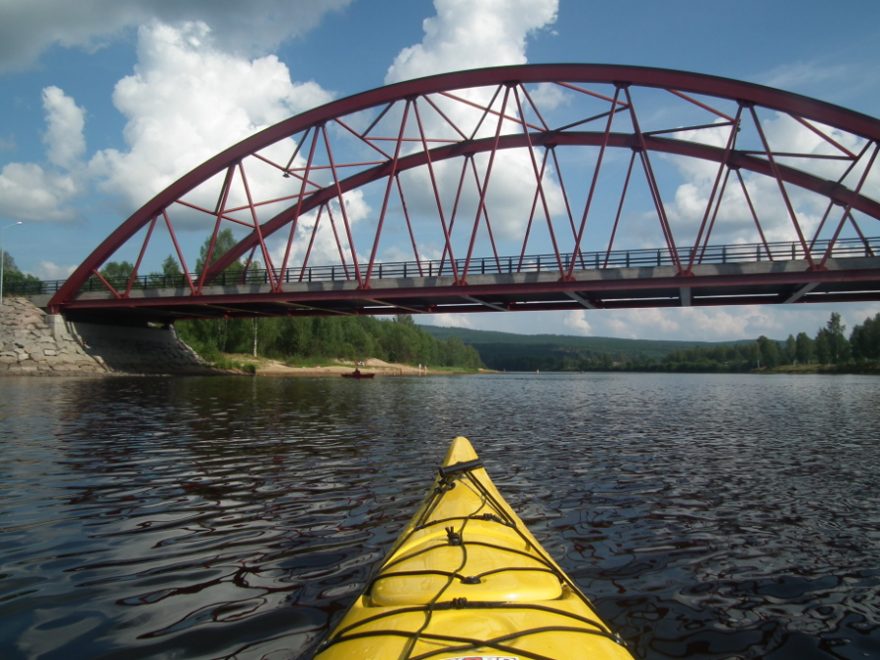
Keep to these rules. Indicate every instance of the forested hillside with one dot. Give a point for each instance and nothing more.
(828, 350)
(512, 352)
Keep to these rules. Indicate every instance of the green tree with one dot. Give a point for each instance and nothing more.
(834, 344)
(117, 272)
(266, 331)
(15, 281)
(804, 349)
(170, 267)
(294, 337)
(768, 352)
(225, 241)
(358, 341)
(210, 336)
(394, 341)
(865, 339)
(789, 353)
(171, 275)
(823, 347)
(327, 337)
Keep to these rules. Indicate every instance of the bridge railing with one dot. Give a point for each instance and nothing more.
(712, 254)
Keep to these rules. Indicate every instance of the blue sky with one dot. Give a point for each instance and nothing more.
(72, 131)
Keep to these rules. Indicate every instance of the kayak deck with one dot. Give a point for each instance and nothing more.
(467, 578)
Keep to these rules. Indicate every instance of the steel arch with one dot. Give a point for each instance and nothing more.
(507, 97)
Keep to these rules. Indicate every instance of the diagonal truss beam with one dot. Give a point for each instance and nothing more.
(734, 159)
(813, 114)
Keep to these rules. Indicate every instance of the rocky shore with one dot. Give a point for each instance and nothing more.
(33, 343)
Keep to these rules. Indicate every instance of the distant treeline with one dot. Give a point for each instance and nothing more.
(14, 280)
(354, 338)
(829, 347)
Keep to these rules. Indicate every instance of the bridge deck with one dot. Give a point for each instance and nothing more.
(767, 282)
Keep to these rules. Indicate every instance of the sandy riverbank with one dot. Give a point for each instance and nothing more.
(267, 367)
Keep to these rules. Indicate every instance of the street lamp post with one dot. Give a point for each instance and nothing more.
(3, 256)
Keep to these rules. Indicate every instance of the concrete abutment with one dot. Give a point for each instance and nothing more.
(34, 343)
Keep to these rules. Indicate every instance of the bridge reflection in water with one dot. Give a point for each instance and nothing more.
(847, 270)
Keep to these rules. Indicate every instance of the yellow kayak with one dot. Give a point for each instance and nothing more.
(466, 579)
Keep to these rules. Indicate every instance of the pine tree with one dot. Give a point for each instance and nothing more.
(838, 345)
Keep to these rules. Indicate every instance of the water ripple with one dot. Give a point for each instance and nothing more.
(707, 516)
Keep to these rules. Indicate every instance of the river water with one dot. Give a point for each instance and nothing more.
(709, 516)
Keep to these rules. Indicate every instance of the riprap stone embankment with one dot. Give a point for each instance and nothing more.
(33, 343)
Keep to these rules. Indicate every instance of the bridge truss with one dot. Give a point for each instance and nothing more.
(577, 163)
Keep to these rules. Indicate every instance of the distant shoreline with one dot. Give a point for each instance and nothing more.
(260, 366)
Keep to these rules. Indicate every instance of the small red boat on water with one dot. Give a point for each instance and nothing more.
(357, 373)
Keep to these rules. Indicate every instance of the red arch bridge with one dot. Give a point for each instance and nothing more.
(534, 187)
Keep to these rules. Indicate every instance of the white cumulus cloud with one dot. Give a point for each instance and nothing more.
(448, 320)
(576, 323)
(49, 270)
(34, 192)
(254, 27)
(695, 323)
(65, 122)
(29, 192)
(815, 154)
(465, 35)
(186, 101)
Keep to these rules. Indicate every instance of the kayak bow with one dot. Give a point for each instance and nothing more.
(466, 579)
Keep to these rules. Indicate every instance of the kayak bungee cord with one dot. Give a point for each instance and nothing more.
(453, 538)
(463, 524)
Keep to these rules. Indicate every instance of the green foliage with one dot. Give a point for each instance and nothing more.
(353, 338)
(733, 357)
(829, 351)
(558, 345)
(14, 281)
(171, 275)
(768, 352)
(511, 352)
(805, 349)
(789, 350)
(170, 267)
(224, 242)
(117, 271)
(865, 340)
(832, 346)
(309, 337)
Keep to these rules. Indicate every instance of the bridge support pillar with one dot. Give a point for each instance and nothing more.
(35, 343)
(139, 349)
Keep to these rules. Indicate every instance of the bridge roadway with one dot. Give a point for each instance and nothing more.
(736, 275)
